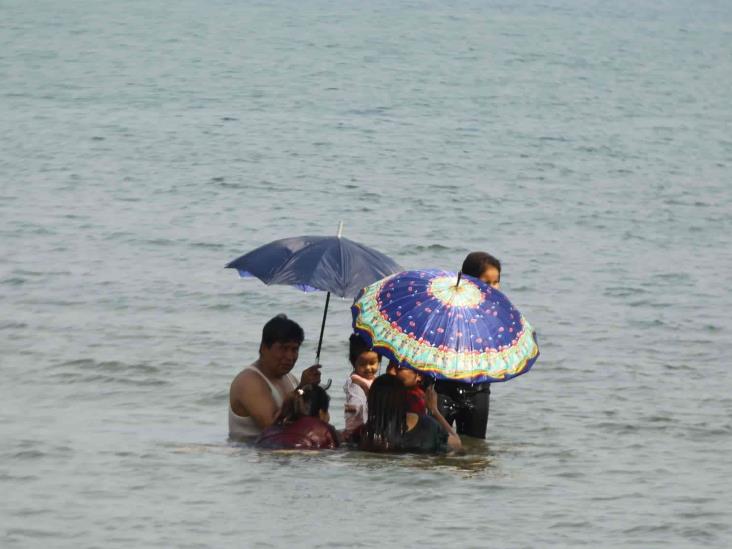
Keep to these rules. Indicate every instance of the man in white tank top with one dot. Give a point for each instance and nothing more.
(257, 392)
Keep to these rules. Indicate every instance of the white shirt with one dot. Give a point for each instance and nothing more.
(356, 397)
(242, 427)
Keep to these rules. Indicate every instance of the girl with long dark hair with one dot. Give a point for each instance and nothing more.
(391, 427)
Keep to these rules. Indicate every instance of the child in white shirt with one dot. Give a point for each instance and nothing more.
(365, 364)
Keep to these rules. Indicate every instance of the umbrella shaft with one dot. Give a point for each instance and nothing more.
(322, 328)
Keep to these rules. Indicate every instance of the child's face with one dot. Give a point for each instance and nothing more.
(367, 365)
(492, 277)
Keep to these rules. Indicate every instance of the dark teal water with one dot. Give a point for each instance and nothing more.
(145, 144)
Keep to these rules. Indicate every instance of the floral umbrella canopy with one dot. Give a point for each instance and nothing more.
(446, 325)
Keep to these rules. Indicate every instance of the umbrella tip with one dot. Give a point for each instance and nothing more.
(460, 275)
(340, 228)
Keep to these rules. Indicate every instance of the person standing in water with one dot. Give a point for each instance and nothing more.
(467, 404)
(258, 392)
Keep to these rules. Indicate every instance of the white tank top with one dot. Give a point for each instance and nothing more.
(244, 427)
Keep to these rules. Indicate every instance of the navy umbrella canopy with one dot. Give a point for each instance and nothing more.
(328, 263)
(331, 264)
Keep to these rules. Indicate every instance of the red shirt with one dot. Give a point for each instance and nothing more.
(306, 433)
(415, 401)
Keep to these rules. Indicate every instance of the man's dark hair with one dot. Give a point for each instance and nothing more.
(280, 329)
(476, 263)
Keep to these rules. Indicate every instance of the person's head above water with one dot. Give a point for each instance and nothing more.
(387, 413)
(309, 401)
(280, 346)
(483, 266)
(410, 378)
(280, 329)
(365, 361)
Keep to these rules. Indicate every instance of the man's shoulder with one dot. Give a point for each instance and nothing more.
(248, 379)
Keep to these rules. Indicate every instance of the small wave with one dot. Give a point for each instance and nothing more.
(651, 323)
(29, 454)
(12, 325)
(617, 428)
(158, 241)
(419, 248)
(43, 274)
(570, 524)
(30, 533)
(649, 529)
(108, 372)
(208, 245)
(649, 303)
(213, 399)
(69, 378)
(705, 534)
(118, 235)
(683, 367)
(88, 363)
(220, 307)
(660, 419)
(21, 478)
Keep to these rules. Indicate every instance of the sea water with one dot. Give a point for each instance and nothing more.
(147, 143)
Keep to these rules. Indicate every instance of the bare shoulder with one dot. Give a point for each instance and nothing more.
(247, 378)
(246, 383)
(250, 395)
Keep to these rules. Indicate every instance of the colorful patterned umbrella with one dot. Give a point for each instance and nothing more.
(446, 325)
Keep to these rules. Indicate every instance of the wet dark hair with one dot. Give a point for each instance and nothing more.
(476, 263)
(387, 421)
(309, 400)
(280, 329)
(356, 347)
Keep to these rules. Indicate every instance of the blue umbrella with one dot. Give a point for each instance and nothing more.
(332, 264)
(446, 325)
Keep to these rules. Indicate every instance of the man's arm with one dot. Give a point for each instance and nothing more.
(255, 397)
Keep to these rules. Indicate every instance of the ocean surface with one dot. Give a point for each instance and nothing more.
(144, 144)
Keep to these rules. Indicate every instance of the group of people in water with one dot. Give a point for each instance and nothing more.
(400, 410)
